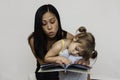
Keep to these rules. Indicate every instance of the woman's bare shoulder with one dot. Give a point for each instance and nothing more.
(30, 39)
(69, 35)
(67, 41)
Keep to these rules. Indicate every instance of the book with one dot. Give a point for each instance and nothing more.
(52, 67)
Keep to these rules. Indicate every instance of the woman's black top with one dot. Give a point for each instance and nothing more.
(48, 75)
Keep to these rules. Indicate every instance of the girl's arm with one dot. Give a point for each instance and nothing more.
(53, 54)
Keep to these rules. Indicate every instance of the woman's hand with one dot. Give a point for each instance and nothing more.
(63, 60)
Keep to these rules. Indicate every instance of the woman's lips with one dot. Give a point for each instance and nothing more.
(51, 33)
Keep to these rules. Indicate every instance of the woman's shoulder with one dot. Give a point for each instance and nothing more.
(69, 35)
(30, 38)
(31, 42)
(67, 42)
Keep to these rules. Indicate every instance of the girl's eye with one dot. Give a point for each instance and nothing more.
(76, 49)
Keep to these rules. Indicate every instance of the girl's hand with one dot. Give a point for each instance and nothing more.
(62, 60)
(83, 62)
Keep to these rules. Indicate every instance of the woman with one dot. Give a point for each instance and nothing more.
(47, 30)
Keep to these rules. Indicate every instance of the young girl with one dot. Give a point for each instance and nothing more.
(68, 51)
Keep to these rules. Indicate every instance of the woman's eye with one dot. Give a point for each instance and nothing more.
(52, 21)
(44, 23)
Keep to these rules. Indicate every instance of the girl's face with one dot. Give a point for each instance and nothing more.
(50, 24)
(76, 48)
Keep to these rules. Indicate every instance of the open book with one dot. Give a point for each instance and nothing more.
(52, 67)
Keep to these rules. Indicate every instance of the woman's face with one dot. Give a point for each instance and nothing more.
(50, 24)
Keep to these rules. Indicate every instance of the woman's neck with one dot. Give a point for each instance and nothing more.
(51, 39)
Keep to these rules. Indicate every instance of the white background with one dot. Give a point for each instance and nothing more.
(101, 17)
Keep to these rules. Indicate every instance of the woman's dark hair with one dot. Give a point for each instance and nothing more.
(89, 39)
(40, 39)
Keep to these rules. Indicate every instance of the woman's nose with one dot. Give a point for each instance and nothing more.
(49, 26)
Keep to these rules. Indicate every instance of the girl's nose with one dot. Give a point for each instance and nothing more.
(75, 53)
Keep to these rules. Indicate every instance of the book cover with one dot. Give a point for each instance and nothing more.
(52, 67)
